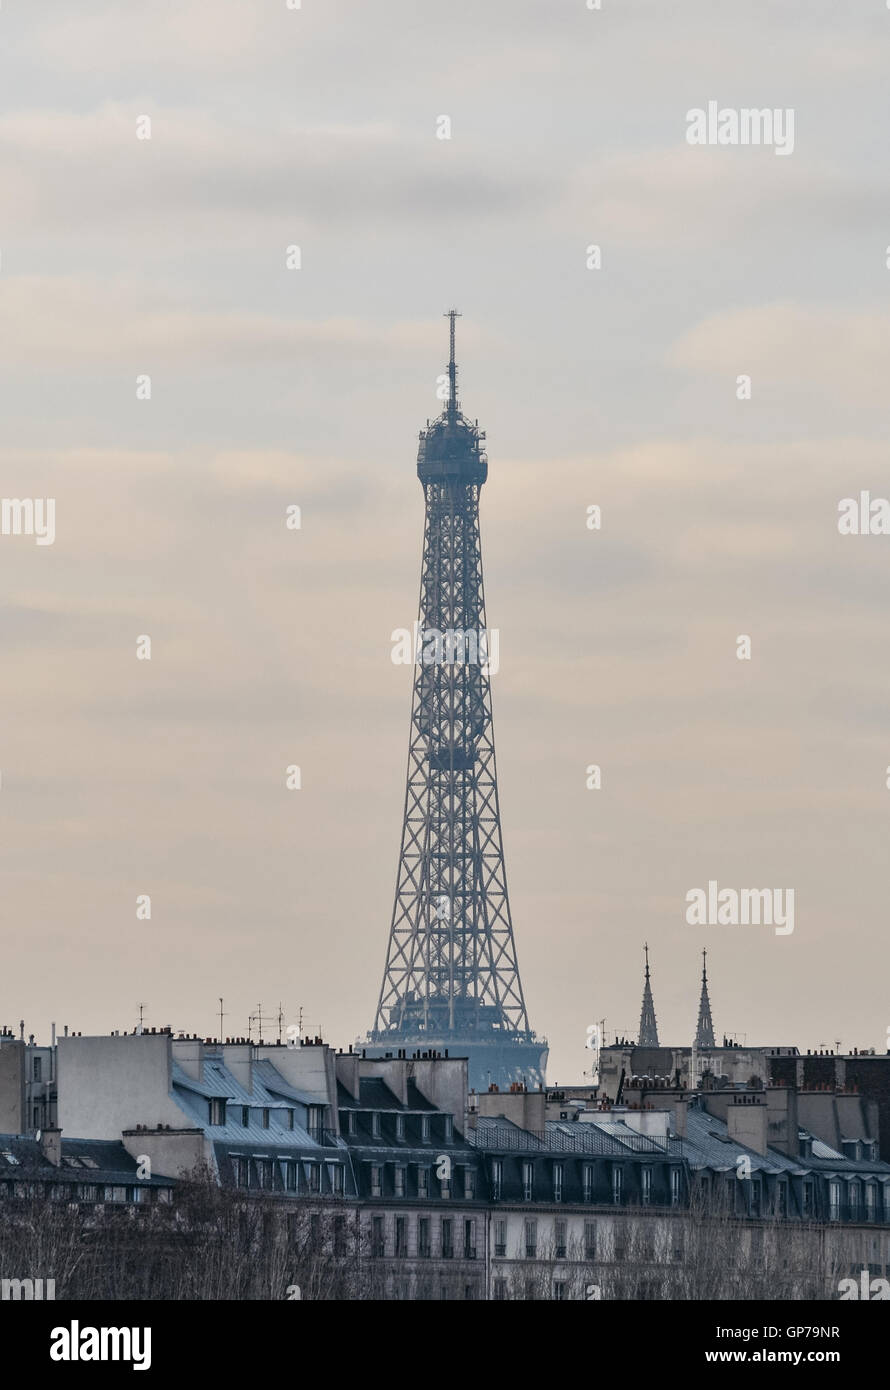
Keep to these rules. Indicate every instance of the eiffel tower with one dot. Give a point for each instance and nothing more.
(451, 979)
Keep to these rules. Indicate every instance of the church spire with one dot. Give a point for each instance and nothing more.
(648, 1035)
(704, 1036)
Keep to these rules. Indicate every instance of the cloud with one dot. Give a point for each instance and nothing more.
(231, 180)
(831, 352)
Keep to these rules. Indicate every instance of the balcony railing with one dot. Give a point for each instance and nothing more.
(588, 1140)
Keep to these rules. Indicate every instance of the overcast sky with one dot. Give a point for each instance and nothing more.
(316, 127)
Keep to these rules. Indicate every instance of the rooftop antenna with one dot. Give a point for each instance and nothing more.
(280, 1020)
(221, 1017)
(258, 1017)
(142, 1008)
(451, 315)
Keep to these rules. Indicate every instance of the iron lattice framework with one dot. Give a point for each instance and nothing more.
(451, 976)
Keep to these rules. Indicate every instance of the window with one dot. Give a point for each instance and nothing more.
(350, 1122)
(425, 1129)
(265, 1119)
(527, 1180)
(617, 1183)
(675, 1187)
(217, 1111)
(588, 1182)
(264, 1172)
(854, 1201)
(497, 1178)
(290, 1177)
(376, 1186)
(424, 1246)
(531, 1238)
(375, 1124)
(339, 1235)
(423, 1181)
(335, 1177)
(500, 1290)
(400, 1126)
(782, 1198)
(377, 1238)
(559, 1239)
(590, 1240)
(316, 1113)
(834, 1200)
(470, 1239)
(290, 1119)
(557, 1181)
(238, 1172)
(808, 1198)
(401, 1242)
(500, 1236)
(399, 1180)
(447, 1238)
(314, 1175)
(38, 1064)
(559, 1290)
(245, 1115)
(618, 1242)
(449, 1129)
(755, 1193)
(647, 1186)
(870, 1201)
(115, 1194)
(469, 1183)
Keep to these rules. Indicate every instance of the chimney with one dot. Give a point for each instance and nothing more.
(681, 1109)
(746, 1121)
(51, 1145)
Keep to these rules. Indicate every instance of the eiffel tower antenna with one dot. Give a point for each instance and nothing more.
(648, 1035)
(451, 978)
(452, 368)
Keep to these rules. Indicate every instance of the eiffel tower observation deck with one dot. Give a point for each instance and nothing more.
(451, 979)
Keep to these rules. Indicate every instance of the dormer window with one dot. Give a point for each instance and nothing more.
(217, 1111)
(425, 1129)
(400, 1126)
(375, 1124)
(449, 1129)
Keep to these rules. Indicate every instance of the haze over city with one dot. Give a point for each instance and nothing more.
(271, 387)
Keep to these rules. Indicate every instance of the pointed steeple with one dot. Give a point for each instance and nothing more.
(648, 1035)
(704, 1036)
